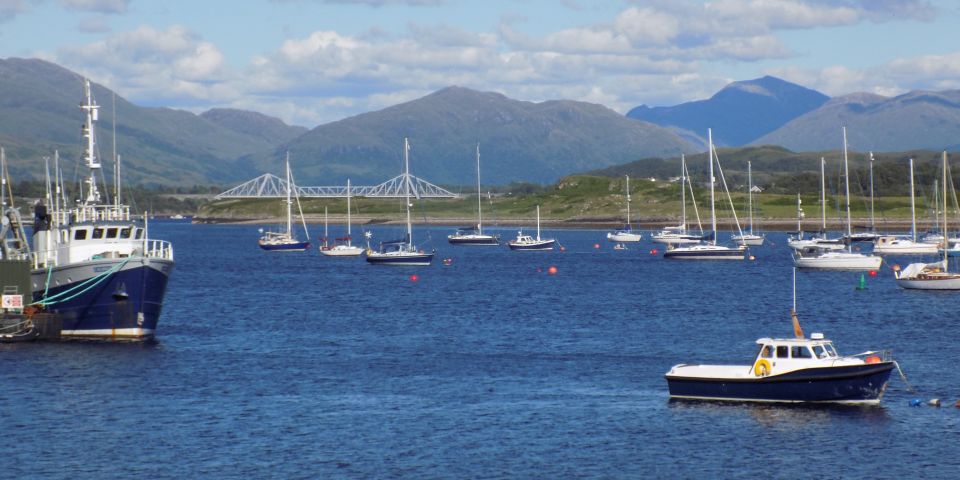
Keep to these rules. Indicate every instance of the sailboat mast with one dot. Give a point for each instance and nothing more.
(683, 192)
(479, 202)
(406, 189)
(713, 212)
(846, 176)
(538, 223)
(799, 218)
(946, 237)
(628, 200)
(872, 217)
(750, 193)
(913, 206)
(348, 211)
(823, 196)
(289, 202)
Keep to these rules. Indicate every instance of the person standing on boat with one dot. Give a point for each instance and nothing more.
(41, 220)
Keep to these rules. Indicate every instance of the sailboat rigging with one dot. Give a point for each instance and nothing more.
(474, 235)
(342, 246)
(285, 241)
(625, 233)
(678, 234)
(749, 237)
(526, 242)
(403, 251)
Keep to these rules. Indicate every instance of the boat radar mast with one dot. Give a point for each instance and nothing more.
(90, 154)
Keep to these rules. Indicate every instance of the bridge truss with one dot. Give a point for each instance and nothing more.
(272, 186)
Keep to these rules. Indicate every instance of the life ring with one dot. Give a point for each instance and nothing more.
(761, 368)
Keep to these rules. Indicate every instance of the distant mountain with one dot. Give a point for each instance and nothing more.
(915, 120)
(519, 141)
(39, 114)
(739, 113)
(269, 129)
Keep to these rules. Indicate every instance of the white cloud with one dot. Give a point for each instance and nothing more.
(97, 6)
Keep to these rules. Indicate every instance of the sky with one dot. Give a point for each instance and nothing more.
(310, 62)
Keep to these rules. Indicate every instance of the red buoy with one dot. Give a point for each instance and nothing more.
(653, 251)
(414, 278)
(873, 273)
(552, 270)
(596, 246)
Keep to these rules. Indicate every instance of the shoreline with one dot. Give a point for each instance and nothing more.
(586, 223)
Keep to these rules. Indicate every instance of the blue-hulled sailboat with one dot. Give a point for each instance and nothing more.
(401, 252)
(285, 241)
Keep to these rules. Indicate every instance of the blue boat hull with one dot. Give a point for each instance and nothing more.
(419, 259)
(849, 384)
(287, 247)
(705, 255)
(124, 305)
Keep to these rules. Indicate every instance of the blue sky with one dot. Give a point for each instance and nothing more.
(314, 61)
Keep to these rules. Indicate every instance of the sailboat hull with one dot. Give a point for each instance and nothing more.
(474, 240)
(285, 247)
(532, 246)
(748, 239)
(832, 260)
(624, 237)
(933, 283)
(341, 251)
(705, 252)
(413, 259)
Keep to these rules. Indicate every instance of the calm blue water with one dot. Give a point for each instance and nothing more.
(273, 365)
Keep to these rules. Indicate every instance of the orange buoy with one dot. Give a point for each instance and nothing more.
(873, 359)
(552, 270)
(872, 273)
(563, 249)
(414, 278)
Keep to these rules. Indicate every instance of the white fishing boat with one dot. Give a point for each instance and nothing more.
(821, 241)
(824, 259)
(403, 251)
(708, 249)
(749, 237)
(527, 242)
(931, 276)
(678, 234)
(342, 246)
(789, 370)
(625, 233)
(475, 235)
(285, 241)
(93, 264)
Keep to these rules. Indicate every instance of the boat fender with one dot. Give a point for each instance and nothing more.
(873, 359)
(762, 368)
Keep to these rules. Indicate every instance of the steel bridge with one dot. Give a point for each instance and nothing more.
(272, 186)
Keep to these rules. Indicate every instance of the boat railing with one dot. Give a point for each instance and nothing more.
(159, 249)
(884, 355)
(92, 213)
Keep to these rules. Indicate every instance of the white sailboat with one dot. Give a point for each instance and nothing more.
(678, 234)
(708, 250)
(625, 233)
(749, 237)
(342, 246)
(898, 245)
(285, 241)
(401, 252)
(931, 276)
(821, 241)
(475, 235)
(820, 258)
(526, 242)
(871, 234)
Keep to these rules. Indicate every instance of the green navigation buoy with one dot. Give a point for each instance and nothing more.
(863, 283)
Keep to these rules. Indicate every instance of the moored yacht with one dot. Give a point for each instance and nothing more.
(474, 235)
(527, 242)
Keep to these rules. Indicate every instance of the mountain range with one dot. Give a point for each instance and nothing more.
(519, 140)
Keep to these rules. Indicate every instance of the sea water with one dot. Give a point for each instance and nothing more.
(294, 365)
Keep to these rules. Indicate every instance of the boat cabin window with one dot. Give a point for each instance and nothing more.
(139, 233)
(125, 232)
(782, 351)
(766, 351)
(80, 234)
(800, 351)
(112, 232)
(97, 233)
(821, 352)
